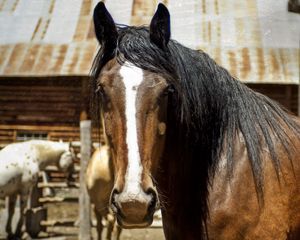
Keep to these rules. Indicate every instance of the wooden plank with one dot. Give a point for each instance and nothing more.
(29, 88)
(6, 133)
(56, 119)
(299, 97)
(27, 104)
(55, 132)
(38, 128)
(65, 97)
(58, 185)
(55, 238)
(70, 117)
(84, 200)
(57, 199)
(40, 119)
(53, 223)
(6, 137)
(55, 169)
(73, 134)
(51, 109)
(71, 223)
(64, 138)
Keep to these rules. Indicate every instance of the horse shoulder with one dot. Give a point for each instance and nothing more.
(230, 200)
(290, 184)
(227, 199)
(11, 171)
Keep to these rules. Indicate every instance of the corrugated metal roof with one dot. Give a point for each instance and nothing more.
(256, 40)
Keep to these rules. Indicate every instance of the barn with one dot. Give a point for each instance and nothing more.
(47, 48)
(46, 54)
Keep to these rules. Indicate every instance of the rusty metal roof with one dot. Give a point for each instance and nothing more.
(256, 40)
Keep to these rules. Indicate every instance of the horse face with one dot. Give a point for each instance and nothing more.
(134, 104)
(134, 113)
(66, 161)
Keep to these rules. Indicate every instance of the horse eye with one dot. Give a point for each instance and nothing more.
(103, 96)
(165, 93)
(101, 91)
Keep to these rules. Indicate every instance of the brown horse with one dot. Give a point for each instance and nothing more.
(100, 182)
(222, 160)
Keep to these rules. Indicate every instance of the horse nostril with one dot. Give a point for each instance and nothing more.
(113, 202)
(152, 204)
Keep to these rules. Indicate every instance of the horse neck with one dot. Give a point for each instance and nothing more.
(180, 167)
(49, 153)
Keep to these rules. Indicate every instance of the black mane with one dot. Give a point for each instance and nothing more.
(207, 109)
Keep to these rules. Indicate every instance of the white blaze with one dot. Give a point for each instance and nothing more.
(132, 78)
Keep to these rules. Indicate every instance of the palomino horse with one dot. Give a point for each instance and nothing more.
(19, 167)
(100, 182)
(223, 160)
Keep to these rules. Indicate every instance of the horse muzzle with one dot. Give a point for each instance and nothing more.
(134, 210)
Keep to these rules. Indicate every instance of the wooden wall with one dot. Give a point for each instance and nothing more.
(286, 95)
(41, 105)
(55, 101)
(53, 106)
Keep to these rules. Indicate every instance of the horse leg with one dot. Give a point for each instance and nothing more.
(118, 232)
(110, 226)
(23, 206)
(47, 192)
(11, 210)
(99, 224)
(111, 234)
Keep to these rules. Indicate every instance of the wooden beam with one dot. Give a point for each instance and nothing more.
(84, 199)
(288, 97)
(58, 185)
(35, 214)
(299, 96)
(58, 199)
(63, 222)
(85, 99)
(44, 128)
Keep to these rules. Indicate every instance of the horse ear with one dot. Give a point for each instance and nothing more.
(160, 31)
(105, 28)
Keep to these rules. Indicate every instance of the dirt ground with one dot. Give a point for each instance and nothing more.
(69, 211)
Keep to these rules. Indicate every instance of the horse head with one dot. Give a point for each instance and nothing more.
(133, 106)
(66, 161)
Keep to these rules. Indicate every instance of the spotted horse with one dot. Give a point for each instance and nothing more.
(19, 167)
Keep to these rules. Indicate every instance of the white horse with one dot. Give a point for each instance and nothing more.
(19, 167)
(100, 182)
